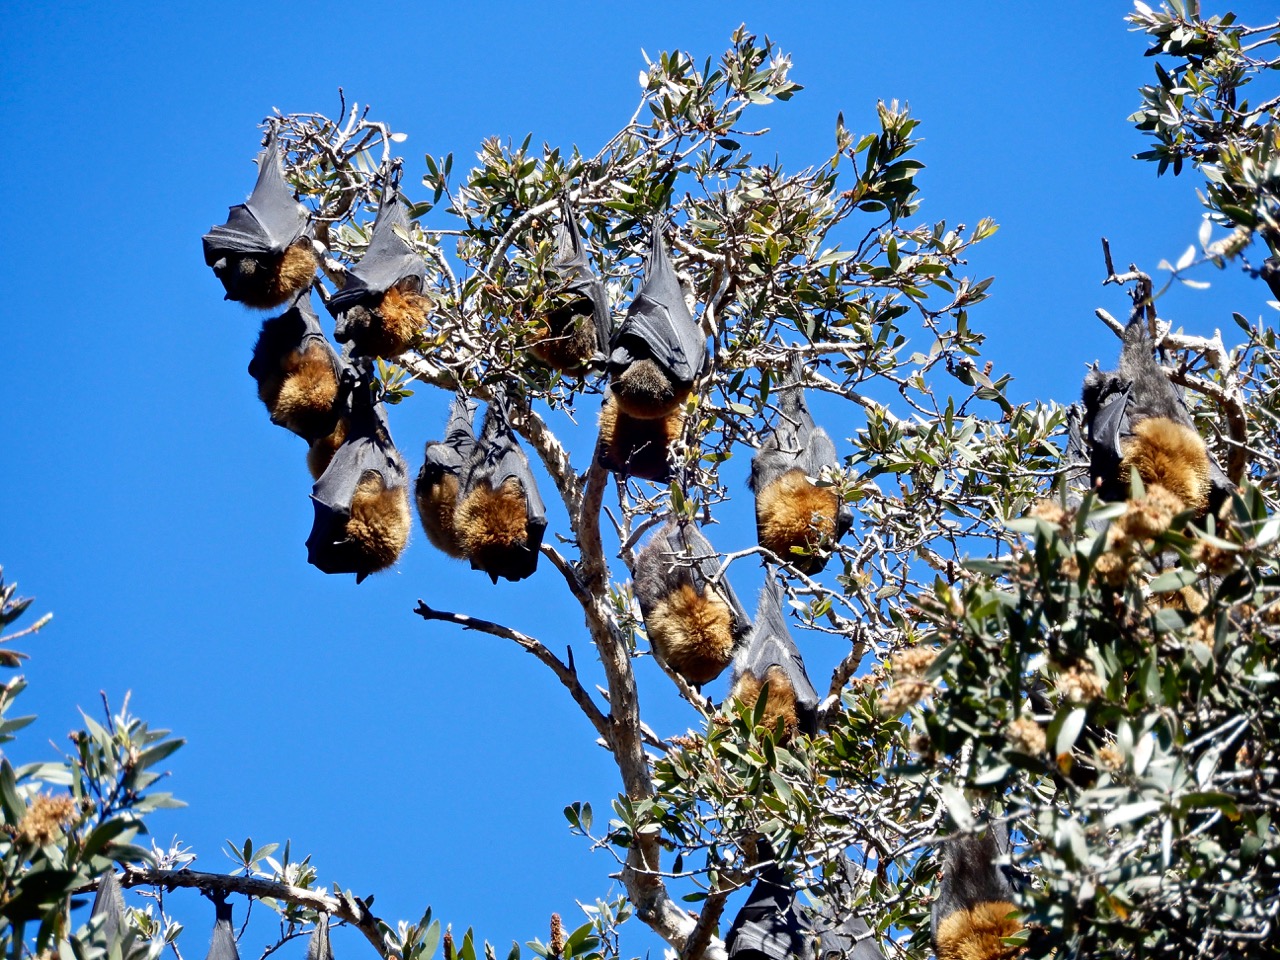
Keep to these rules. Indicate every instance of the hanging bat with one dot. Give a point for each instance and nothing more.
(693, 625)
(362, 499)
(444, 464)
(659, 349)
(793, 514)
(632, 447)
(577, 330)
(1137, 420)
(382, 307)
(500, 517)
(769, 659)
(318, 946)
(223, 944)
(108, 903)
(298, 372)
(974, 908)
(262, 254)
(1270, 273)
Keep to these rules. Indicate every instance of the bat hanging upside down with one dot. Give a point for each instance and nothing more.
(974, 909)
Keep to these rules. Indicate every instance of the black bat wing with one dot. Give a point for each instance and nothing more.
(108, 903)
(658, 324)
(268, 222)
(452, 454)
(770, 644)
(499, 457)
(1108, 424)
(686, 540)
(1270, 273)
(839, 930)
(769, 926)
(318, 947)
(572, 266)
(223, 944)
(388, 259)
(970, 874)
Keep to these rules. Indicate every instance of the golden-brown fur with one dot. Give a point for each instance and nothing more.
(565, 339)
(271, 280)
(644, 391)
(782, 699)
(693, 632)
(1171, 455)
(490, 523)
(404, 313)
(302, 393)
(321, 451)
(437, 507)
(379, 521)
(975, 934)
(637, 448)
(792, 512)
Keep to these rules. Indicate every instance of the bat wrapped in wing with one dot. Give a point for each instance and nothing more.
(634, 446)
(439, 481)
(694, 623)
(262, 254)
(500, 518)
(382, 306)
(318, 946)
(222, 946)
(794, 516)
(576, 332)
(299, 374)
(770, 661)
(362, 499)
(974, 909)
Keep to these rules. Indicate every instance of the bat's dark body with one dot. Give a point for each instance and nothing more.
(223, 944)
(793, 513)
(774, 925)
(659, 348)
(361, 500)
(500, 518)
(770, 659)
(108, 903)
(298, 372)
(974, 907)
(693, 624)
(576, 332)
(1270, 273)
(439, 481)
(262, 254)
(635, 447)
(1136, 419)
(381, 307)
(318, 946)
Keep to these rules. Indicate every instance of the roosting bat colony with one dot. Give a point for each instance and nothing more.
(477, 497)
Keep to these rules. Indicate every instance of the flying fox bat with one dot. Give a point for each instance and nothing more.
(974, 909)
(1136, 419)
(223, 944)
(633, 447)
(262, 254)
(362, 499)
(769, 659)
(774, 925)
(1270, 274)
(695, 626)
(298, 372)
(792, 513)
(108, 903)
(382, 307)
(318, 946)
(659, 349)
(444, 464)
(578, 329)
(500, 517)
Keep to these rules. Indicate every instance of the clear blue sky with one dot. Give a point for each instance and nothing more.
(146, 499)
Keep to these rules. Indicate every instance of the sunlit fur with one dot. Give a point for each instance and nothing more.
(491, 523)
(693, 632)
(645, 391)
(268, 280)
(437, 506)
(300, 395)
(321, 451)
(975, 934)
(379, 522)
(387, 327)
(792, 512)
(1172, 455)
(566, 338)
(782, 699)
(636, 448)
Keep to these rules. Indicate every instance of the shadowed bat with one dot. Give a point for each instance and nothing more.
(361, 500)
(1270, 273)
(769, 659)
(108, 903)
(774, 925)
(792, 512)
(381, 307)
(659, 349)
(443, 468)
(223, 944)
(318, 946)
(500, 517)
(1136, 419)
(298, 372)
(974, 907)
(693, 625)
(632, 447)
(262, 254)
(577, 331)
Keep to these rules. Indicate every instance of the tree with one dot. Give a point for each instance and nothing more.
(828, 266)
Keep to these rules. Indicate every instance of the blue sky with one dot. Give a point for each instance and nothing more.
(148, 502)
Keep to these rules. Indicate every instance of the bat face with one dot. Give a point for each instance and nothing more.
(974, 909)
(266, 280)
(769, 659)
(633, 447)
(565, 338)
(298, 373)
(1270, 274)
